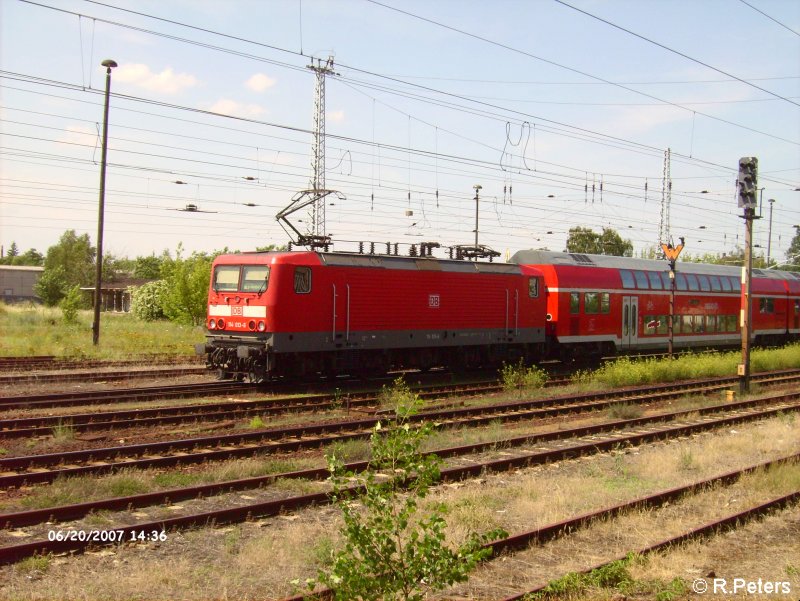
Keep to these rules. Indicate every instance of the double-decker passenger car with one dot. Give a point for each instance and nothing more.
(304, 313)
(600, 305)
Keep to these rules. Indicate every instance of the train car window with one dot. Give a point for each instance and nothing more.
(736, 284)
(715, 283)
(574, 302)
(687, 322)
(650, 324)
(726, 284)
(641, 280)
(680, 282)
(533, 287)
(655, 280)
(662, 324)
(255, 278)
(591, 302)
(766, 305)
(694, 285)
(605, 303)
(711, 323)
(625, 319)
(302, 280)
(665, 279)
(226, 278)
(705, 285)
(627, 279)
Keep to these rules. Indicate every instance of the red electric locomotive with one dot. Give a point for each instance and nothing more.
(601, 305)
(299, 314)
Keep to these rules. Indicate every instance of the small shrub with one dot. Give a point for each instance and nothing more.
(63, 431)
(256, 423)
(36, 563)
(624, 411)
(520, 378)
(70, 304)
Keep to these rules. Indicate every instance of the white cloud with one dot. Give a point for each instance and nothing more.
(335, 116)
(260, 82)
(167, 81)
(227, 106)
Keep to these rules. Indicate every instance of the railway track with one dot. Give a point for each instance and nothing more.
(108, 421)
(586, 440)
(51, 362)
(101, 376)
(128, 395)
(17, 471)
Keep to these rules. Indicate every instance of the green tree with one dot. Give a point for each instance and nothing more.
(52, 286)
(584, 240)
(186, 281)
(29, 257)
(13, 251)
(793, 254)
(148, 267)
(391, 550)
(75, 255)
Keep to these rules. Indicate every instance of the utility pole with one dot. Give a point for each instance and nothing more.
(769, 235)
(747, 185)
(108, 64)
(478, 188)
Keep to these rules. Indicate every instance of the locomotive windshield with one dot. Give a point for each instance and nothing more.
(254, 278)
(226, 278)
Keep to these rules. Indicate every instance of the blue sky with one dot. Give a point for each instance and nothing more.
(535, 101)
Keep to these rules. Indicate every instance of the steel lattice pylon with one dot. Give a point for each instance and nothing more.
(666, 201)
(317, 183)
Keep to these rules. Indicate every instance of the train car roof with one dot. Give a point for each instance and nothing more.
(374, 261)
(546, 257)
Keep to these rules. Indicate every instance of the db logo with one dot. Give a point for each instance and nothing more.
(433, 301)
(236, 311)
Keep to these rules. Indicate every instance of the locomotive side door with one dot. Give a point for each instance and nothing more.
(630, 322)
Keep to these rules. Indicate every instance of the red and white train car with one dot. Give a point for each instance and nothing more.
(600, 305)
(304, 313)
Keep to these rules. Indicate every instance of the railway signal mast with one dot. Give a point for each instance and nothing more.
(316, 195)
(747, 185)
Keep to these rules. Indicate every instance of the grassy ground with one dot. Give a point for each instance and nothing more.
(35, 330)
(632, 372)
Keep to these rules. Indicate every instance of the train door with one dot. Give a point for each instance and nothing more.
(630, 321)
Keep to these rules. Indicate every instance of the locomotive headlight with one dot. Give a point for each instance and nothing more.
(261, 326)
(221, 323)
(212, 325)
(251, 324)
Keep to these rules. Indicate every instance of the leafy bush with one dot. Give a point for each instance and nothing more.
(519, 377)
(70, 304)
(390, 550)
(52, 286)
(147, 299)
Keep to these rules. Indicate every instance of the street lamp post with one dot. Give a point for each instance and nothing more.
(108, 64)
(478, 188)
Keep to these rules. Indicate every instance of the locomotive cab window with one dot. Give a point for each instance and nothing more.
(533, 287)
(226, 278)
(255, 278)
(302, 280)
